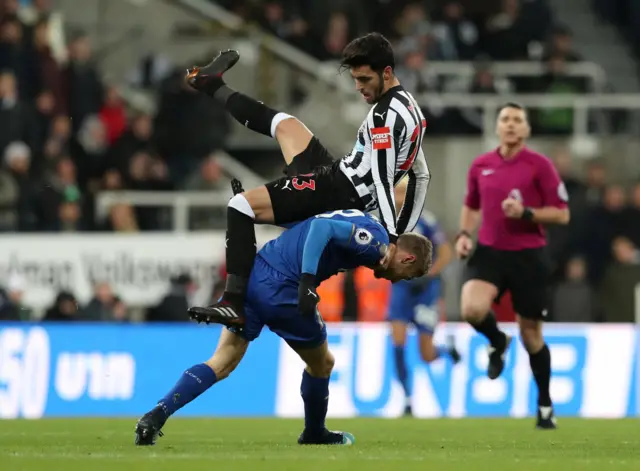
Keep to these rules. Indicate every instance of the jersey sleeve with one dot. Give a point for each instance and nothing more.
(554, 193)
(381, 124)
(472, 197)
(369, 241)
(416, 196)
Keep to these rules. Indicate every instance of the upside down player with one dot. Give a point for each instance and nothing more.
(513, 190)
(417, 302)
(388, 147)
(281, 295)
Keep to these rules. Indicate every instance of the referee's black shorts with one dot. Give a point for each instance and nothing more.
(525, 273)
(314, 184)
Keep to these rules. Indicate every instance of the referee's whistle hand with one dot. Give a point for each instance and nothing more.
(464, 246)
(512, 208)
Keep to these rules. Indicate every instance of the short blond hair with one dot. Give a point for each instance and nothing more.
(420, 247)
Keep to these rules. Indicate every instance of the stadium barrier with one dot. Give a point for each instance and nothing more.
(112, 370)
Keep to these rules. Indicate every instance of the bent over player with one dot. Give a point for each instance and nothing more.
(418, 302)
(387, 148)
(513, 191)
(281, 295)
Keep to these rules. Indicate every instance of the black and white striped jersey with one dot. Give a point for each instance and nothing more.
(388, 147)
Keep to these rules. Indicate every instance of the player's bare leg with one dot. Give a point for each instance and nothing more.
(477, 298)
(315, 394)
(540, 361)
(193, 382)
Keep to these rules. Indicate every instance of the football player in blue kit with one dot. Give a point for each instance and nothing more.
(282, 295)
(418, 302)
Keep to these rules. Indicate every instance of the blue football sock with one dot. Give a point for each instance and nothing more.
(315, 394)
(191, 384)
(401, 368)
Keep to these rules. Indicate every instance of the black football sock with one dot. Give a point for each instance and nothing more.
(249, 112)
(241, 252)
(541, 368)
(489, 328)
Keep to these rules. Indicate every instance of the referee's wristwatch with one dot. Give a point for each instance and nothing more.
(527, 214)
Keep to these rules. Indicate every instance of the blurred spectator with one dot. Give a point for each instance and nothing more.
(189, 127)
(38, 10)
(459, 29)
(14, 56)
(634, 215)
(617, 291)
(16, 118)
(60, 200)
(65, 308)
(561, 45)
(56, 145)
(208, 178)
(604, 223)
(137, 138)
(174, 306)
(84, 88)
(596, 182)
(100, 308)
(19, 194)
(48, 72)
(11, 307)
(89, 150)
(573, 299)
(113, 115)
(556, 81)
(507, 36)
(119, 310)
(335, 38)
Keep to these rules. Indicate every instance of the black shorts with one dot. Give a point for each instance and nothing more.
(525, 273)
(314, 184)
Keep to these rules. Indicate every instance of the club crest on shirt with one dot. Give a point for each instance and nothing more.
(363, 237)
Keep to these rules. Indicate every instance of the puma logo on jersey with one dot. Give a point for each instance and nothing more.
(286, 186)
(380, 114)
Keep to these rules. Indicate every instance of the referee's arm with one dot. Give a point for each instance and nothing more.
(416, 194)
(555, 199)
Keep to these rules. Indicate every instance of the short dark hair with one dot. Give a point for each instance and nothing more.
(515, 106)
(372, 49)
(421, 247)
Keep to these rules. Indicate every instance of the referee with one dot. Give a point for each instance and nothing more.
(513, 191)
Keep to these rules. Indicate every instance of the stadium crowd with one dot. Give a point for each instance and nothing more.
(65, 135)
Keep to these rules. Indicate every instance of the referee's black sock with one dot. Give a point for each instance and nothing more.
(489, 328)
(241, 252)
(249, 112)
(541, 368)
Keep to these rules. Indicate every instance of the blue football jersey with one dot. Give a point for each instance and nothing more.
(366, 246)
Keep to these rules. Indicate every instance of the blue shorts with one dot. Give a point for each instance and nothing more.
(420, 309)
(272, 300)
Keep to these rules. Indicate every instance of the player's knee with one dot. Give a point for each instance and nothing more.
(428, 355)
(284, 125)
(531, 338)
(241, 203)
(473, 310)
(323, 367)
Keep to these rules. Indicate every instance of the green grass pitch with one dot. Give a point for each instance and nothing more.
(270, 444)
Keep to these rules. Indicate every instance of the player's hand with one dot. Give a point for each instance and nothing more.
(512, 208)
(464, 246)
(388, 256)
(308, 298)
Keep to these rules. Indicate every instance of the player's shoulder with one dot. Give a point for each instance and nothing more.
(368, 228)
(536, 158)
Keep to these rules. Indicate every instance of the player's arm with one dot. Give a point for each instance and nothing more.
(469, 215)
(416, 194)
(383, 166)
(443, 258)
(554, 209)
(321, 232)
